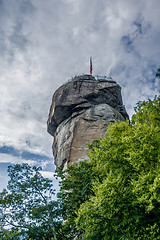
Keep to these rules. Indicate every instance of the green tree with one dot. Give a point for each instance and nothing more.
(76, 188)
(9, 234)
(28, 204)
(158, 72)
(126, 200)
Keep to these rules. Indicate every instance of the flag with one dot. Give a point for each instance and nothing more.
(91, 65)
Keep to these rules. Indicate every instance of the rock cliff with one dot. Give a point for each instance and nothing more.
(80, 112)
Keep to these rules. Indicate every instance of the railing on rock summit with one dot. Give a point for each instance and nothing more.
(97, 77)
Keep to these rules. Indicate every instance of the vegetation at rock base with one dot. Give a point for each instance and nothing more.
(115, 195)
(126, 204)
(76, 188)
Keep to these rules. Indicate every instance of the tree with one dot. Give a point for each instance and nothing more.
(147, 112)
(8, 234)
(76, 188)
(158, 72)
(28, 204)
(126, 200)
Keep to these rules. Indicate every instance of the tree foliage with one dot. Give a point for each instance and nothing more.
(158, 72)
(28, 204)
(6, 234)
(76, 188)
(126, 200)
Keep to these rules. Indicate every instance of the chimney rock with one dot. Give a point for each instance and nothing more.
(80, 112)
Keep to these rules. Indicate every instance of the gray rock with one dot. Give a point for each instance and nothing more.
(80, 112)
(81, 93)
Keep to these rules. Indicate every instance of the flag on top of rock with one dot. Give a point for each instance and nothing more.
(91, 65)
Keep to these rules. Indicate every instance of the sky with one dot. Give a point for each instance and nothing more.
(45, 43)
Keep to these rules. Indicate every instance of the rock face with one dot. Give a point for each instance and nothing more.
(80, 112)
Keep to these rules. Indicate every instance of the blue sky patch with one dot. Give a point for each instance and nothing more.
(23, 154)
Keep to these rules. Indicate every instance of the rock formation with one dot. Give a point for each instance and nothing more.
(80, 112)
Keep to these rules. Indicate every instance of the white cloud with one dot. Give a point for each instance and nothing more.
(43, 43)
(10, 159)
(48, 174)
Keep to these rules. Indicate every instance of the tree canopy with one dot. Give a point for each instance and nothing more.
(76, 188)
(126, 204)
(28, 205)
(158, 72)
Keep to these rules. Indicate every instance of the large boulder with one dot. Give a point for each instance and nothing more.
(80, 112)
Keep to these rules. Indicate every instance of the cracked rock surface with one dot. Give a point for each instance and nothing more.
(80, 112)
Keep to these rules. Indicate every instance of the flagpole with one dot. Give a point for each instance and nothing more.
(91, 66)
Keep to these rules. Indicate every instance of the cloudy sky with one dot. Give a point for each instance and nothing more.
(45, 43)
